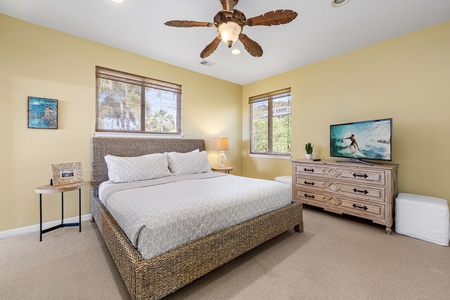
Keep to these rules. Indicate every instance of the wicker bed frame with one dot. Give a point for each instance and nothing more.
(166, 273)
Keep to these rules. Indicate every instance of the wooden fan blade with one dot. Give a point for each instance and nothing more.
(211, 47)
(276, 17)
(229, 4)
(251, 46)
(184, 23)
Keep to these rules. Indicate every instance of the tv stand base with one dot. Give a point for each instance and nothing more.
(358, 160)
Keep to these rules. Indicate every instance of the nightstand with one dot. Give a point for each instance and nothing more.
(224, 169)
(49, 189)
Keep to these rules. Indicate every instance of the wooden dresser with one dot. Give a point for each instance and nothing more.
(347, 188)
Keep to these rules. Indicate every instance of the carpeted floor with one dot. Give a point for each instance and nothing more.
(334, 258)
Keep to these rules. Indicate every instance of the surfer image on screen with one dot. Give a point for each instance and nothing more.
(353, 143)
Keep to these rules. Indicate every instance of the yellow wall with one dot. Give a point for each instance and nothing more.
(406, 78)
(40, 62)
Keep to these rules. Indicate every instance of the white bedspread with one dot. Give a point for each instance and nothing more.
(163, 214)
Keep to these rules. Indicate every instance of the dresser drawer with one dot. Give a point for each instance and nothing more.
(312, 197)
(353, 174)
(340, 204)
(371, 193)
(358, 192)
(305, 169)
(311, 182)
(361, 175)
(362, 209)
(337, 203)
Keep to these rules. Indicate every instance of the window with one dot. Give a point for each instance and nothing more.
(270, 128)
(132, 103)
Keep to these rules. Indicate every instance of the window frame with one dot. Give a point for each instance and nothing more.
(269, 97)
(143, 83)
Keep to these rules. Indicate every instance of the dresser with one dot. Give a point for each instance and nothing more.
(347, 188)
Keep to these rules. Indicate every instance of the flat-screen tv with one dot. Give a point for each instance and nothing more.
(371, 140)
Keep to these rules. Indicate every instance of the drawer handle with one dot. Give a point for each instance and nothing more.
(359, 191)
(359, 175)
(309, 196)
(362, 207)
(308, 183)
(308, 170)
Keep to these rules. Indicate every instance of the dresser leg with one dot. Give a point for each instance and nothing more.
(388, 230)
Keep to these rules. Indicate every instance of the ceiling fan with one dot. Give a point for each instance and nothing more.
(229, 23)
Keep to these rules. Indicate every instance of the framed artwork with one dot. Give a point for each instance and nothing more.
(67, 173)
(42, 113)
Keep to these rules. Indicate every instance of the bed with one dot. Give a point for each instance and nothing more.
(163, 274)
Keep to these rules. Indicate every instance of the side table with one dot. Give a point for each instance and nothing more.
(49, 189)
(224, 169)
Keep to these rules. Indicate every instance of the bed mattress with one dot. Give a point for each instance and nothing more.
(163, 214)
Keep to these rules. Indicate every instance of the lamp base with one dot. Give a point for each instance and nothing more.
(222, 160)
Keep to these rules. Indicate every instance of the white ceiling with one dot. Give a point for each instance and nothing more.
(319, 32)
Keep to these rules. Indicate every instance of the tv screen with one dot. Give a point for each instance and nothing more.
(371, 140)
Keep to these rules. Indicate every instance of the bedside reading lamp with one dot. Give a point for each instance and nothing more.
(221, 144)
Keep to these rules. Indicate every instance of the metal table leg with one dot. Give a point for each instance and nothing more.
(62, 208)
(40, 217)
(79, 208)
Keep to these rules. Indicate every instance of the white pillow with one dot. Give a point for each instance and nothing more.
(127, 169)
(188, 163)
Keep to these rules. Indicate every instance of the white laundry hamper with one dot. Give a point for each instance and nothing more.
(422, 217)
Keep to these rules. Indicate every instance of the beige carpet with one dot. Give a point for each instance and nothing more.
(335, 258)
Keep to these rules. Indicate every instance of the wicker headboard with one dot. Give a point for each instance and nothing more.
(102, 146)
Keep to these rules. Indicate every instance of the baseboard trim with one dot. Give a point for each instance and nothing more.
(35, 228)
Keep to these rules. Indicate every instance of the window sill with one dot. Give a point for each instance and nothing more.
(270, 156)
(146, 135)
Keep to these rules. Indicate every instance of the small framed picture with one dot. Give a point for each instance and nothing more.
(42, 113)
(67, 173)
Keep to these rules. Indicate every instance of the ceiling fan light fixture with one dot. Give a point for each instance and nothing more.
(337, 3)
(229, 32)
(229, 23)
